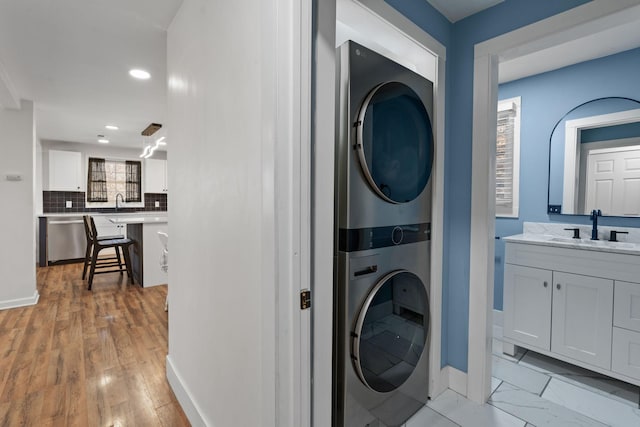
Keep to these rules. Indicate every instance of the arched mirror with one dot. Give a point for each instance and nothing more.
(594, 159)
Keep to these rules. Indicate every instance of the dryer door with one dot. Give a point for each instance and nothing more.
(391, 331)
(394, 141)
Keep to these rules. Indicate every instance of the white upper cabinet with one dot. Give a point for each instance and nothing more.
(65, 171)
(155, 176)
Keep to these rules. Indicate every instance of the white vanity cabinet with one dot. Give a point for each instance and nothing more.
(581, 318)
(528, 296)
(560, 302)
(626, 329)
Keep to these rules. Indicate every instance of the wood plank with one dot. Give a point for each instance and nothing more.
(84, 358)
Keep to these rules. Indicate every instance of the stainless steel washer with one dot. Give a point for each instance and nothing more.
(382, 357)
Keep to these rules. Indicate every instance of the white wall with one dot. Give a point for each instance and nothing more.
(17, 251)
(222, 300)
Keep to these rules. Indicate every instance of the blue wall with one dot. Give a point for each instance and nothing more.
(545, 99)
(460, 39)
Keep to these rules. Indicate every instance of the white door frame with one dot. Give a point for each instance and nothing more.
(570, 25)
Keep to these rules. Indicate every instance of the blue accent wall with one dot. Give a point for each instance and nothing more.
(460, 39)
(545, 99)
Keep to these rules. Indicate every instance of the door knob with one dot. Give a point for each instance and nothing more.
(545, 284)
(558, 286)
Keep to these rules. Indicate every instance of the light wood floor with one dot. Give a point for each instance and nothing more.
(86, 358)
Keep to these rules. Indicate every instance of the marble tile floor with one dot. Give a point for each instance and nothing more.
(534, 390)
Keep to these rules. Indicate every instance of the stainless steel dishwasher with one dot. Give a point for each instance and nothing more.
(65, 238)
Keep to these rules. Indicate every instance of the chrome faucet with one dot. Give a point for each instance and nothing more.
(594, 217)
(121, 197)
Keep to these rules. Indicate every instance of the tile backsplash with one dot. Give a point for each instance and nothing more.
(56, 201)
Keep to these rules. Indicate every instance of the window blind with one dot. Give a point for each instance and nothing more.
(505, 159)
(97, 181)
(133, 181)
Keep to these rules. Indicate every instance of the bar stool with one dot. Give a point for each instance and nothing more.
(87, 253)
(164, 261)
(106, 265)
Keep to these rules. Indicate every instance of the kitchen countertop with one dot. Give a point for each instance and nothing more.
(567, 242)
(139, 219)
(115, 214)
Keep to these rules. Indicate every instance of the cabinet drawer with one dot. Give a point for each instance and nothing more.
(626, 353)
(626, 305)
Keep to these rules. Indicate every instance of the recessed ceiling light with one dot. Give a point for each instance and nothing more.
(139, 74)
(103, 141)
(112, 127)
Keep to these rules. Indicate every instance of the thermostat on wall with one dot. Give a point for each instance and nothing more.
(14, 177)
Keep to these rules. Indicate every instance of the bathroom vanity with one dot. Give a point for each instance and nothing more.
(577, 300)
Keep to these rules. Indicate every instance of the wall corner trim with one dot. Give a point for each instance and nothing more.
(20, 302)
(8, 95)
(189, 406)
(457, 380)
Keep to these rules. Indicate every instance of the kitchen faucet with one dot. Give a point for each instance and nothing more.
(594, 217)
(121, 197)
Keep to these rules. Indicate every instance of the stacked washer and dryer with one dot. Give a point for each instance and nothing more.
(384, 157)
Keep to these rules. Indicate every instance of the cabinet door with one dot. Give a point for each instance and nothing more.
(626, 352)
(626, 305)
(155, 176)
(582, 318)
(527, 305)
(65, 171)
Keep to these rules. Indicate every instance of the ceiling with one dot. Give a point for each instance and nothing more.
(455, 10)
(72, 57)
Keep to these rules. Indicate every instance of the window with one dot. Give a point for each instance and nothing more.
(97, 181)
(107, 178)
(508, 158)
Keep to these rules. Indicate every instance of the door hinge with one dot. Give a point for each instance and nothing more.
(305, 299)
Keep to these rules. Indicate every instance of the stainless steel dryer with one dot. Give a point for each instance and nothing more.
(382, 312)
(384, 142)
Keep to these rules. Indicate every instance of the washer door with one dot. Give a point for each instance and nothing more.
(391, 331)
(394, 141)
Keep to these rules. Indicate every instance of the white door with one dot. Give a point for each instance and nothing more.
(527, 305)
(613, 181)
(582, 318)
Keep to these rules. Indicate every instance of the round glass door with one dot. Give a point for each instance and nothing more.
(394, 142)
(391, 331)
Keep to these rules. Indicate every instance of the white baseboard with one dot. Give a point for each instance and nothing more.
(498, 317)
(457, 380)
(183, 395)
(20, 302)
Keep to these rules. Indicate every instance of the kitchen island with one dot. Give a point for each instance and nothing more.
(147, 250)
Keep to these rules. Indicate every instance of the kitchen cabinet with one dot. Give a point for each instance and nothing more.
(155, 176)
(65, 171)
(560, 302)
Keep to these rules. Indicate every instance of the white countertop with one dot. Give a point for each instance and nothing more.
(139, 219)
(110, 214)
(568, 242)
